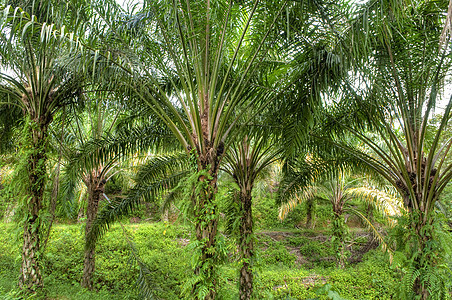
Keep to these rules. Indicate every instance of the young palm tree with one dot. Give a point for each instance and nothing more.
(97, 122)
(244, 162)
(100, 140)
(338, 189)
(104, 138)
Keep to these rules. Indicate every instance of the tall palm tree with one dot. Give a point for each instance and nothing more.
(34, 47)
(198, 47)
(401, 79)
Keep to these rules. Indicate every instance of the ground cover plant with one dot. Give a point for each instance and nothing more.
(163, 248)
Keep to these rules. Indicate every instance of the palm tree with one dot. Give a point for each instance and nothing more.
(97, 122)
(337, 190)
(244, 162)
(103, 142)
(195, 47)
(401, 79)
(39, 81)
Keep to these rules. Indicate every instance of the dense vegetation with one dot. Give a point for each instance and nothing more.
(293, 263)
(260, 149)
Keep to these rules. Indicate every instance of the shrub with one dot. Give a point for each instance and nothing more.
(278, 283)
(265, 213)
(161, 248)
(313, 249)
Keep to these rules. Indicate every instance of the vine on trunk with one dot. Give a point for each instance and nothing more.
(29, 183)
(339, 234)
(208, 249)
(421, 255)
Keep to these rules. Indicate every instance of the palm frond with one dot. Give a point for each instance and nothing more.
(160, 173)
(145, 281)
(306, 194)
(384, 246)
(390, 205)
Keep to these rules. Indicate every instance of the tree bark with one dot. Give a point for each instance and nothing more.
(424, 236)
(425, 256)
(95, 191)
(309, 212)
(30, 271)
(338, 233)
(206, 218)
(205, 211)
(206, 229)
(246, 247)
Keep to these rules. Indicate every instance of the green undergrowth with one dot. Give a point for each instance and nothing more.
(281, 269)
(116, 274)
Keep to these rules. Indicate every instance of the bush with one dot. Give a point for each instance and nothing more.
(265, 213)
(297, 241)
(281, 283)
(313, 249)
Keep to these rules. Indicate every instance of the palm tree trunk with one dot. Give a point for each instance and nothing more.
(95, 190)
(424, 237)
(30, 271)
(246, 247)
(205, 210)
(206, 228)
(89, 265)
(338, 234)
(309, 212)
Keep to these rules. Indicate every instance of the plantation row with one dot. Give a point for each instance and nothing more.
(232, 116)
